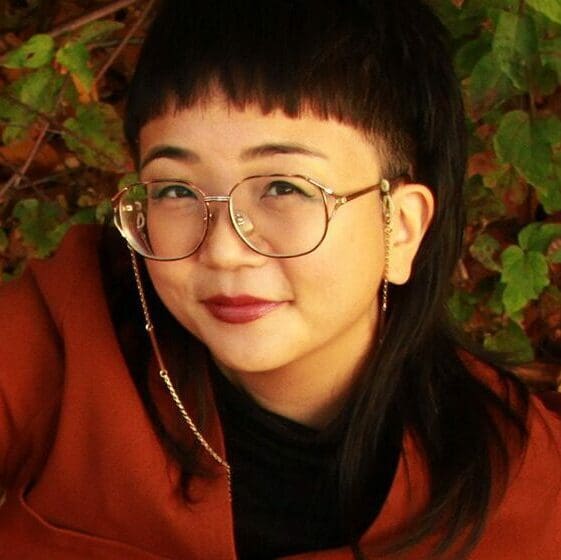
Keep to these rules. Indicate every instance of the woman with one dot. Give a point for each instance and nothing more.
(289, 384)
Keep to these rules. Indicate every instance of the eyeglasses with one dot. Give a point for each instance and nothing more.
(276, 215)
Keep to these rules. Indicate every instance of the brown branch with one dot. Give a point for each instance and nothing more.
(40, 194)
(125, 40)
(112, 43)
(38, 142)
(93, 16)
(54, 177)
(7, 163)
(16, 178)
(14, 181)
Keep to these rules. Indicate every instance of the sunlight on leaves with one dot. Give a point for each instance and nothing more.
(36, 52)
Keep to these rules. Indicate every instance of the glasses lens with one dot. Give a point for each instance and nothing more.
(279, 216)
(163, 219)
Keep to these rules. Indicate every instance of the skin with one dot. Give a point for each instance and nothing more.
(301, 359)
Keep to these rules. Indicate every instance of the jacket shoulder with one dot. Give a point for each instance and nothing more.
(57, 277)
(32, 348)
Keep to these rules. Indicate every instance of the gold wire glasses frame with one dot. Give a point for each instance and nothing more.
(331, 203)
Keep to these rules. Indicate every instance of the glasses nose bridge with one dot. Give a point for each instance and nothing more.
(214, 198)
(233, 219)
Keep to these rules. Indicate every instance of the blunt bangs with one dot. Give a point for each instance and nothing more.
(354, 65)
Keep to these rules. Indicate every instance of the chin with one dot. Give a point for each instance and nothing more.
(251, 364)
(249, 358)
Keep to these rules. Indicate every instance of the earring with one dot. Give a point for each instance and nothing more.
(387, 211)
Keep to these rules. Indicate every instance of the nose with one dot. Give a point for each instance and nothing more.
(223, 248)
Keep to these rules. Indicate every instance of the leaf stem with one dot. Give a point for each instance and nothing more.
(93, 16)
(124, 41)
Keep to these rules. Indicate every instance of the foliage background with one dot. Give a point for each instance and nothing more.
(64, 70)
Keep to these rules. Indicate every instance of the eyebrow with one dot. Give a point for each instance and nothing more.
(169, 152)
(265, 150)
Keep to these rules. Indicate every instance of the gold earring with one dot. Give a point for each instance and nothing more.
(387, 211)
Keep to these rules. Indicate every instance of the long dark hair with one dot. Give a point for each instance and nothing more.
(384, 68)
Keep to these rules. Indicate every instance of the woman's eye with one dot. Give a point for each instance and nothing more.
(282, 188)
(173, 191)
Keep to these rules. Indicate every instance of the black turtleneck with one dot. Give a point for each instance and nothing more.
(285, 478)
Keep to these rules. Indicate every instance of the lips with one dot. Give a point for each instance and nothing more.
(239, 309)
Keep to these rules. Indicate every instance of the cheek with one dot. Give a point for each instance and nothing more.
(170, 281)
(345, 272)
(356, 244)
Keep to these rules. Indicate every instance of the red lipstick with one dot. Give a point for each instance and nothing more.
(239, 309)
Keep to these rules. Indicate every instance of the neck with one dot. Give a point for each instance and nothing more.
(312, 391)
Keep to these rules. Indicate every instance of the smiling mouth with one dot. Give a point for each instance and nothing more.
(239, 309)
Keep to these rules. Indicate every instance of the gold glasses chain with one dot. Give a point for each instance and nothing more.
(387, 209)
(164, 374)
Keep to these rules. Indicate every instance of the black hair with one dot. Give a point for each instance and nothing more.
(384, 68)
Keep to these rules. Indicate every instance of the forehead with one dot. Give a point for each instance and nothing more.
(218, 131)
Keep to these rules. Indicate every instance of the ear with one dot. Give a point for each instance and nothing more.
(413, 212)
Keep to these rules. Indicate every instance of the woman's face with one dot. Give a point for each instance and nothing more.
(317, 308)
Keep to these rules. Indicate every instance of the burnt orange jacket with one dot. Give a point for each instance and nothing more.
(86, 477)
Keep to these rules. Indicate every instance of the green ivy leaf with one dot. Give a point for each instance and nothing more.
(17, 119)
(481, 203)
(75, 58)
(544, 80)
(460, 22)
(488, 85)
(549, 193)
(525, 275)
(495, 7)
(528, 145)
(40, 224)
(550, 8)
(484, 249)
(98, 140)
(36, 52)
(97, 31)
(104, 211)
(546, 26)
(470, 53)
(462, 305)
(538, 236)
(38, 90)
(511, 341)
(514, 43)
(84, 216)
(550, 52)
(495, 301)
(128, 179)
